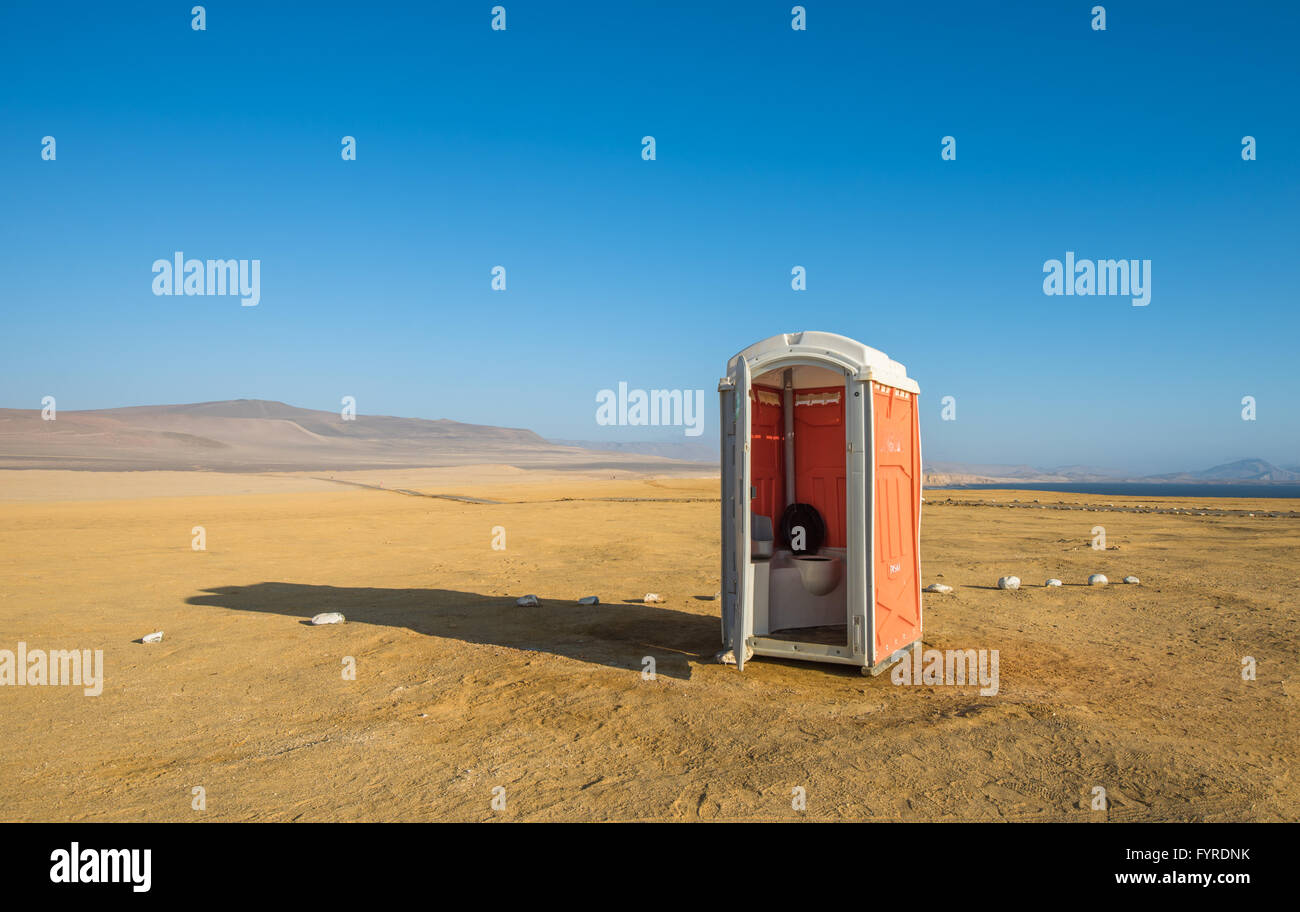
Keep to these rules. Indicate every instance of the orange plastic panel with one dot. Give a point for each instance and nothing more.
(767, 454)
(898, 511)
(819, 458)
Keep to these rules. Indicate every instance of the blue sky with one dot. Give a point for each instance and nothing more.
(774, 148)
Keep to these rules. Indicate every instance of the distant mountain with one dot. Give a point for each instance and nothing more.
(1087, 472)
(692, 449)
(1240, 470)
(260, 435)
(939, 473)
(243, 435)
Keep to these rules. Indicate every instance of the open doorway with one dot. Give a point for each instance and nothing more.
(799, 505)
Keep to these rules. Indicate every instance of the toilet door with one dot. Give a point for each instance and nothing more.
(740, 571)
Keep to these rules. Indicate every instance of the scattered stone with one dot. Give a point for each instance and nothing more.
(1009, 582)
(728, 656)
(155, 637)
(329, 617)
(652, 597)
(1132, 580)
(938, 587)
(717, 595)
(589, 600)
(527, 601)
(1053, 583)
(1097, 579)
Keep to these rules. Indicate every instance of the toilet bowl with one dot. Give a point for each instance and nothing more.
(819, 574)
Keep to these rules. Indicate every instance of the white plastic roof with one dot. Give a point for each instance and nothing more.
(821, 347)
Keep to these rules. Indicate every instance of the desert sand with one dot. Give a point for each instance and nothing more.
(1136, 689)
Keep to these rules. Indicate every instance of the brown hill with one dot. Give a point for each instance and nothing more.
(258, 435)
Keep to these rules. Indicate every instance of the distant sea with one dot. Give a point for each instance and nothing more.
(1138, 489)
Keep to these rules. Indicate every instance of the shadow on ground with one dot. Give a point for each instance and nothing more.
(617, 635)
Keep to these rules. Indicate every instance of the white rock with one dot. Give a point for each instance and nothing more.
(1052, 583)
(329, 617)
(1009, 582)
(717, 595)
(1132, 580)
(527, 601)
(155, 637)
(728, 656)
(589, 600)
(938, 587)
(652, 597)
(1097, 579)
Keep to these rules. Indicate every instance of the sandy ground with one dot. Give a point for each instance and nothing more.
(1136, 689)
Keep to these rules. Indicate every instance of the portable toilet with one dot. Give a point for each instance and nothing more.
(821, 503)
